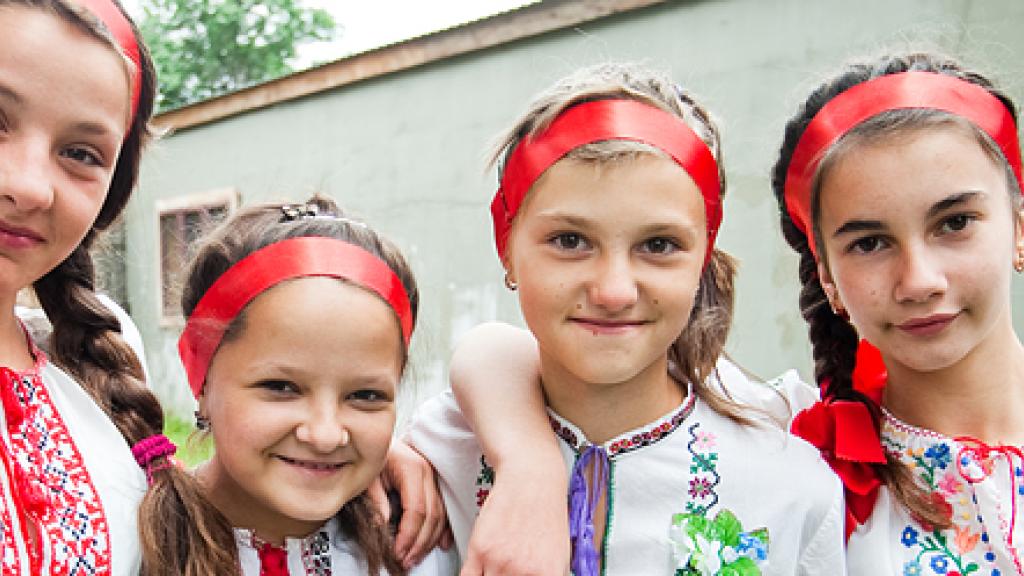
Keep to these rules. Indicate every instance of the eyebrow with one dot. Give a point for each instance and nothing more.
(11, 94)
(953, 200)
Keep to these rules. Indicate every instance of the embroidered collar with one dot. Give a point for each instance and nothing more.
(316, 543)
(628, 441)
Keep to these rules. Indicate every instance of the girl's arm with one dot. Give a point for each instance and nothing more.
(523, 526)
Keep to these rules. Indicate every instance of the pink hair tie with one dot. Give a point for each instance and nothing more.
(149, 449)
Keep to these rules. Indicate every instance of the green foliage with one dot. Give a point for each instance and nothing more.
(204, 48)
(193, 449)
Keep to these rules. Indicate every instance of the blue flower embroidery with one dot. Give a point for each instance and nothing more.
(909, 537)
(912, 568)
(939, 454)
(752, 547)
(940, 565)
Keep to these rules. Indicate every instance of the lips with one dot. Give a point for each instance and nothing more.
(605, 326)
(927, 325)
(312, 465)
(17, 236)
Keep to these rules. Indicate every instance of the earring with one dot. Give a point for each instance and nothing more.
(510, 283)
(1018, 265)
(202, 422)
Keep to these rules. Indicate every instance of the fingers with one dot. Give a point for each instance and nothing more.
(379, 498)
(423, 522)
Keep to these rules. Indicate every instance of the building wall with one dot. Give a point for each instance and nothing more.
(405, 151)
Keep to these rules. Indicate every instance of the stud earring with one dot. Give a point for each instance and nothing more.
(1019, 264)
(510, 283)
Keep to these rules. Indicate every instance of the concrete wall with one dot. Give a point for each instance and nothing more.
(405, 151)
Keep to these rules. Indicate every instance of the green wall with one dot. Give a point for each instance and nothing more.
(405, 151)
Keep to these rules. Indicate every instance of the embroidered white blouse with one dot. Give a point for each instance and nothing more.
(691, 461)
(67, 470)
(328, 552)
(985, 490)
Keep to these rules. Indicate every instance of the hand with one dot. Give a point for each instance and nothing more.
(523, 527)
(424, 524)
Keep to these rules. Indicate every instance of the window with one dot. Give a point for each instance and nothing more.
(181, 222)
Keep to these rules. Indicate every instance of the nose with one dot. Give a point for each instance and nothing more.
(920, 276)
(26, 174)
(614, 285)
(323, 429)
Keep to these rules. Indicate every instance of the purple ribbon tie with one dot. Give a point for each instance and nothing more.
(583, 499)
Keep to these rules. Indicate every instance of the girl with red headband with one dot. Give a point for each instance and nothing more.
(297, 332)
(76, 94)
(899, 185)
(605, 220)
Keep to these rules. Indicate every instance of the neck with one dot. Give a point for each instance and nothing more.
(242, 511)
(981, 396)
(14, 350)
(604, 411)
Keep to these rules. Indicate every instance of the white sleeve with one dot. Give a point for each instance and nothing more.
(129, 331)
(824, 551)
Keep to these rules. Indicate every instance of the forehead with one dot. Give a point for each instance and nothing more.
(908, 170)
(640, 184)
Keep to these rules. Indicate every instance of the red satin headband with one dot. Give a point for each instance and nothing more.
(606, 120)
(892, 92)
(121, 29)
(259, 271)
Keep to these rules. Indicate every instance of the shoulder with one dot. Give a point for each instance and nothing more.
(780, 398)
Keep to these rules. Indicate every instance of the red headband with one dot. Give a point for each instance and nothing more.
(606, 120)
(284, 260)
(893, 92)
(121, 29)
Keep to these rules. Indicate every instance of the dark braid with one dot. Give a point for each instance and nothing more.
(833, 339)
(363, 523)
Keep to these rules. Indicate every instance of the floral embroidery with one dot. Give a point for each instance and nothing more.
(703, 471)
(55, 487)
(703, 547)
(939, 463)
(484, 482)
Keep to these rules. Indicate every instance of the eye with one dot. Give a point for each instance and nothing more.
(660, 245)
(955, 223)
(83, 155)
(569, 241)
(371, 398)
(866, 245)
(278, 387)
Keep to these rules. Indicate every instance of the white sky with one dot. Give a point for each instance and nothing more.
(367, 24)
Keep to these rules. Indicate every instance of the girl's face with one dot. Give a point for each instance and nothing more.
(301, 405)
(608, 259)
(920, 237)
(64, 104)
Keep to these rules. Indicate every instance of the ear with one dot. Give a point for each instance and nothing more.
(828, 286)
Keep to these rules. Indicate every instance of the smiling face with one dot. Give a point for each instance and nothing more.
(301, 405)
(921, 235)
(64, 101)
(608, 257)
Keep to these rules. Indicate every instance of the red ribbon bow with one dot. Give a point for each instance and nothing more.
(847, 435)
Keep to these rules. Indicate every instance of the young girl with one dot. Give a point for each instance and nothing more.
(899, 184)
(76, 93)
(298, 325)
(605, 220)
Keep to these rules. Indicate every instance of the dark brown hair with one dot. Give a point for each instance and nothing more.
(209, 547)
(834, 340)
(695, 352)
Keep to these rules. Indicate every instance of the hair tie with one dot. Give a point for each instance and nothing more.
(149, 449)
(595, 121)
(298, 257)
(905, 90)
